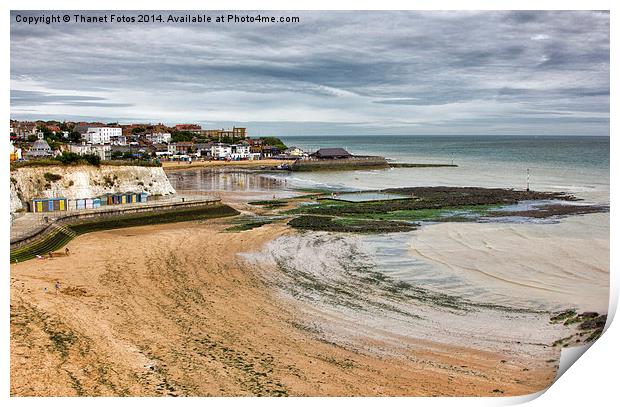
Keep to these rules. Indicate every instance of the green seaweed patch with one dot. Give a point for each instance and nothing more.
(564, 315)
(244, 223)
(435, 214)
(332, 224)
(554, 210)
(271, 204)
(314, 191)
(417, 207)
(591, 326)
(246, 226)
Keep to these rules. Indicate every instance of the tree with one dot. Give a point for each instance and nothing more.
(68, 157)
(116, 155)
(46, 132)
(137, 130)
(92, 159)
(75, 136)
(274, 142)
(182, 136)
(54, 145)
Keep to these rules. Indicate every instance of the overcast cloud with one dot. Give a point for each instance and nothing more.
(333, 73)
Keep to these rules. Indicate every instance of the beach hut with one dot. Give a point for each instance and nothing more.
(121, 199)
(49, 204)
(143, 196)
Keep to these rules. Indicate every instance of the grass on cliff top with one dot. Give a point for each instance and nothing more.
(50, 162)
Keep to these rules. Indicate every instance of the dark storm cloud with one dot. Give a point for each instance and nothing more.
(370, 70)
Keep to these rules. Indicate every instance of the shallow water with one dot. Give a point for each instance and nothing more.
(246, 185)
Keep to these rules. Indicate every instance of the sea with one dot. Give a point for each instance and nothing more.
(555, 163)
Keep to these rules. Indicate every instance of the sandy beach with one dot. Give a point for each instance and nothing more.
(174, 310)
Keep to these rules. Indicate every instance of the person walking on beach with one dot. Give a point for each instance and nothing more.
(66, 251)
(57, 286)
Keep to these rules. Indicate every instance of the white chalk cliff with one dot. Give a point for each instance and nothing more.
(84, 181)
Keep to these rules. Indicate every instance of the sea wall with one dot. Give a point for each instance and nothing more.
(340, 164)
(58, 233)
(84, 181)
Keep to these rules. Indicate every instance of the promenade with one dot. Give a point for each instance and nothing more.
(27, 224)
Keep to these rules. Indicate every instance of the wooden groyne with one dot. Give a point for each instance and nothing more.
(340, 164)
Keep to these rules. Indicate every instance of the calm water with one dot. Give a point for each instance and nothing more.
(579, 165)
(584, 152)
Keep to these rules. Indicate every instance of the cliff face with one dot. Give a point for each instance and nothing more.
(85, 182)
(15, 202)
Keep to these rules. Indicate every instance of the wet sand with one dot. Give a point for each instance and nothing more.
(174, 310)
(560, 265)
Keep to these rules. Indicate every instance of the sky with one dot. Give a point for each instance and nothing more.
(400, 73)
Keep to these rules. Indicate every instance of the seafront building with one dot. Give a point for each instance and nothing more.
(331, 154)
(159, 138)
(142, 140)
(221, 151)
(99, 135)
(104, 151)
(40, 148)
(295, 152)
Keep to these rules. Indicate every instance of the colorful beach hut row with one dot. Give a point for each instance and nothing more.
(49, 204)
(64, 204)
(88, 203)
(126, 198)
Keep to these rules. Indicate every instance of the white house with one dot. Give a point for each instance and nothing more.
(119, 140)
(230, 151)
(294, 152)
(240, 151)
(102, 135)
(158, 138)
(103, 151)
(221, 150)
